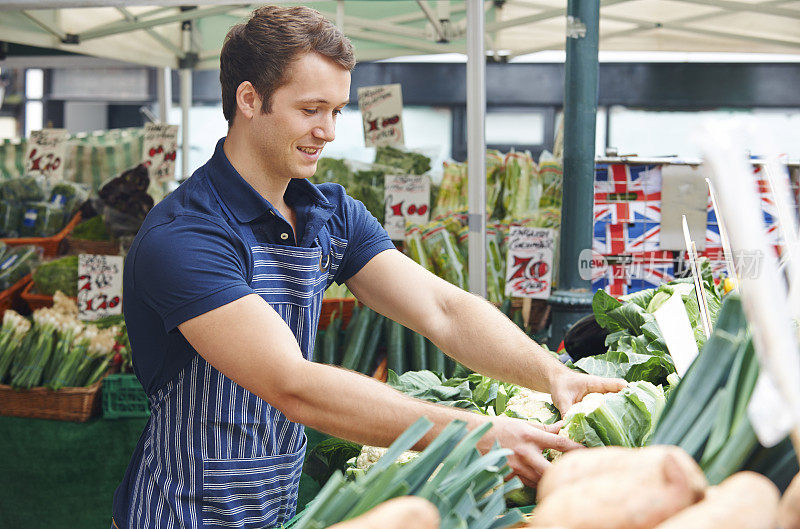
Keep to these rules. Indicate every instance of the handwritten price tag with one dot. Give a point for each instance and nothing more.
(159, 149)
(381, 113)
(407, 199)
(99, 286)
(46, 153)
(529, 265)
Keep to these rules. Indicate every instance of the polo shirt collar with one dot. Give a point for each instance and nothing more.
(246, 203)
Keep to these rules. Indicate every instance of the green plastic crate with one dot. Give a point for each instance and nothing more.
(123, 396)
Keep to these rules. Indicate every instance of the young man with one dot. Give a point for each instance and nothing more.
(222, 293)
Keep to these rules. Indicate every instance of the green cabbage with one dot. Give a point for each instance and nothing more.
(626, 418)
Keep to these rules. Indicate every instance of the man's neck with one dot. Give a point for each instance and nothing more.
(241, 156)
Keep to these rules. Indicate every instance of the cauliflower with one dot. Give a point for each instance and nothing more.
(370, 454)
(532, 405)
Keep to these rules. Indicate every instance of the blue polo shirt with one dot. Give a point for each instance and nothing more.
(190, 255)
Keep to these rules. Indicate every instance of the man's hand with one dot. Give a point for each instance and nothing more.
(527, 440)
(569, 387)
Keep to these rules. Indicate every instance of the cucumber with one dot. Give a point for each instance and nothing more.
(352, 323)
(331, 340)
(354, 347)
(449, 366)
(396, 345)
(317, 351)
(419, 355)
(376, 332)
(436, 358)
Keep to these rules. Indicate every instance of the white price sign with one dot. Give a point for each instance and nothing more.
(46, 153)
(529, 265)
(407, 199)
(382, 114)
(159, 148)
(99, 286)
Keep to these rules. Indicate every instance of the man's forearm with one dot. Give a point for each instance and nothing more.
(485, 340)
(355, 407)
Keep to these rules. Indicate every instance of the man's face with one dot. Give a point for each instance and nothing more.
(303, 117)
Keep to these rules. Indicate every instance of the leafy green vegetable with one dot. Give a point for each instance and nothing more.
(626, 418)
(407, 161)
(58, 274)
(636, 347)
(93, 229)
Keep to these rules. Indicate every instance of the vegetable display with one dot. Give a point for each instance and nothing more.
(58, 274)
(16, 262)
(56, 350)
(30, 207)
(636, 346)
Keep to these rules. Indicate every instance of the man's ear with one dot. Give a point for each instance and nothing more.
(248, 102)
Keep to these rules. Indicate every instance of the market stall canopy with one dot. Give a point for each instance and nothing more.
(152, 34)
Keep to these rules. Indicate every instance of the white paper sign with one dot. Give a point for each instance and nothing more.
(407, 199)
(529, 265)
(46, 153)
(158, 150)
(99, 286)
(382, 114)
(677, 331)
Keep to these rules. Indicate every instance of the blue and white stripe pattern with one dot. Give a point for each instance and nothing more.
(215, 455)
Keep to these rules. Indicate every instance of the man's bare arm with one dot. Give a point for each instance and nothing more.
(248, 342)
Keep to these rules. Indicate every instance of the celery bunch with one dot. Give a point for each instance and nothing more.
(468, 488)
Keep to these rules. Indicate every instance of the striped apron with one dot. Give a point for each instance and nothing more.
(215, 455)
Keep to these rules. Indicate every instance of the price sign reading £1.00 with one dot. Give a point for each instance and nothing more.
(407, 199)
(46, 153)
(381, 113)
(529, 266)
(99, 286)
(159, 149)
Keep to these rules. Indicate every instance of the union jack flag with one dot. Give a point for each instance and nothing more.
(631, 273)
(626, 237)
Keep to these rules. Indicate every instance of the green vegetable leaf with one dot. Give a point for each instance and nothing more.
(602, 304)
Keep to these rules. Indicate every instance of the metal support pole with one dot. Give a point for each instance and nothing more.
(164, 82)
(186, 99)
(573, 299)
(476, 147)
(186, 105)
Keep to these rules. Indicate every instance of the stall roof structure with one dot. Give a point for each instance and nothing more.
(150, 33)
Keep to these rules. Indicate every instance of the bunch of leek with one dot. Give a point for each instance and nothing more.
(468, 488)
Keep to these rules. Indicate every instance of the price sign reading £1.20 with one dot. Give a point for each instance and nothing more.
(381, 113)
(99, 286)
(159, 149)
(407, 199)
(46, 153)
(529, 266)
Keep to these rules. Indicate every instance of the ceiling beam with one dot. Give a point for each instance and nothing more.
(680, 26)
(126, 27)
(416, 15)
(419, 45)
(165, 42)
(45, 25)
(742, 7)
(437, 26)
(538, 17)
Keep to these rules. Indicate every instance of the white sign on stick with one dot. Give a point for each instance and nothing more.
(407, 199)
(529, 265)
(159, 149)
(46, 153)
(99, 286)
(382, 114)
(677, 331)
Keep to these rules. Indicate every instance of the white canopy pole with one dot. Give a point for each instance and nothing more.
(476, 147)
(164, 93)
(186, 101)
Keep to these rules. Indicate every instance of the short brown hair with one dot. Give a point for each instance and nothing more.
(261, 49)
